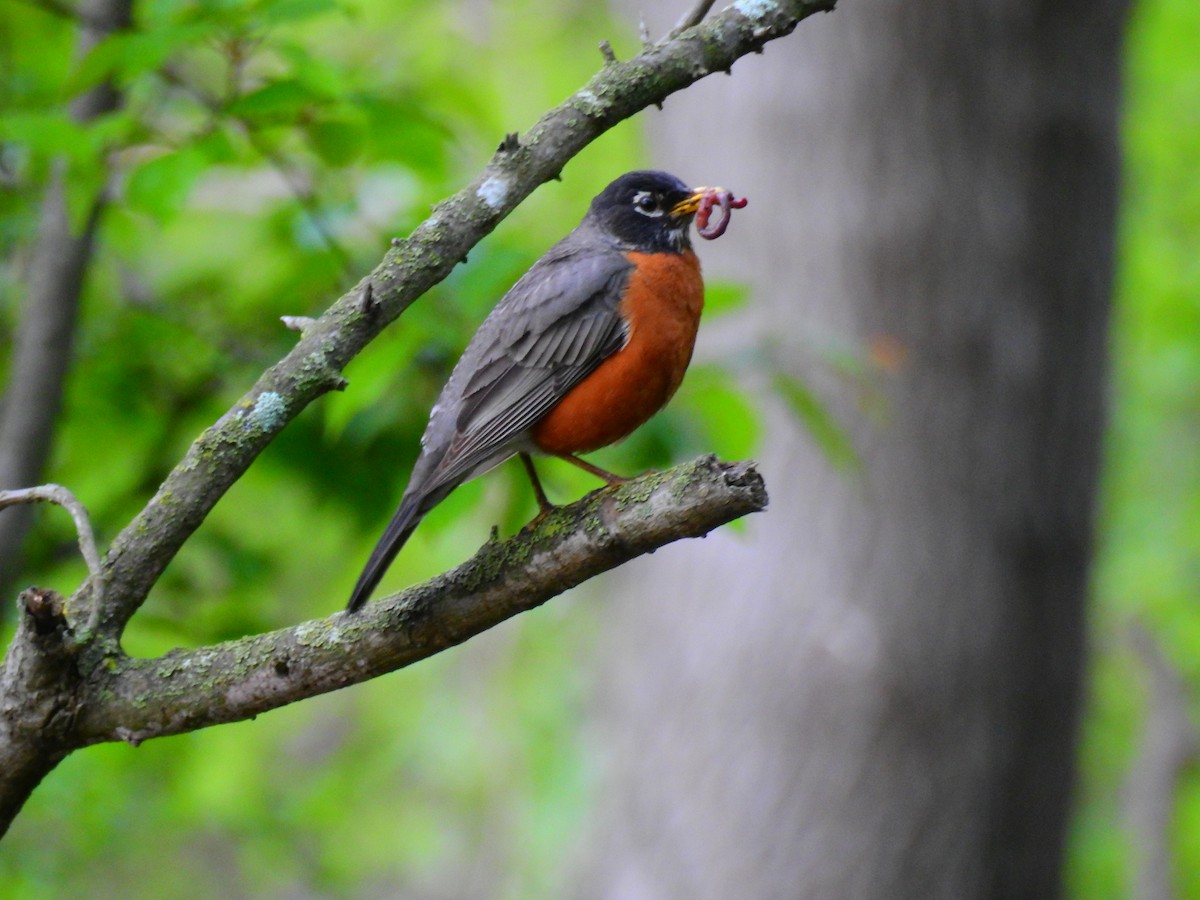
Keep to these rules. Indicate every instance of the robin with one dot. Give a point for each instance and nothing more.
(586, 346)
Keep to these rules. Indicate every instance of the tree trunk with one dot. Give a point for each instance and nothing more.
(874, 691)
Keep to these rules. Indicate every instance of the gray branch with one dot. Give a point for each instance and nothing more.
(1167, 746)
(38, 678)
(60, 496)
(692, 17)
(137, 699)
(220, 456)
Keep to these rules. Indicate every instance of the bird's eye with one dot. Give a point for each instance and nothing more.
(647, 204)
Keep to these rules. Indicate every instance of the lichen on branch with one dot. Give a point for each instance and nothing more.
(413, 265)
(137, 699)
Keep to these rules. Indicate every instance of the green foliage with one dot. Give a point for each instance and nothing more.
(265, 155)
(825, 430)
(1149, 553)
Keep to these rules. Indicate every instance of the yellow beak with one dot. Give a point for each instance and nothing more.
(689, 206)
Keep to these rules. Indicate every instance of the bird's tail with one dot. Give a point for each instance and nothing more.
(403, 523)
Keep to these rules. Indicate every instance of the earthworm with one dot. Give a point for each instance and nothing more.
(727, 202)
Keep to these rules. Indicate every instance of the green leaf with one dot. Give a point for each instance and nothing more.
(829, 435)
(314, 73)
(728, 421)
(722, 297)
(338, 141)
(277, 11)
(125, 55)
(275, 102)
(161, 186)
(46, 132)
(217, 147)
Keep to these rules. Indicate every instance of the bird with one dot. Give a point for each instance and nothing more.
(586, 346)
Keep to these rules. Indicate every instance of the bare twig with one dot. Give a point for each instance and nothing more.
(297, 323)
(644, 34)
(60, 496)
(1168, 744)
(693, 17)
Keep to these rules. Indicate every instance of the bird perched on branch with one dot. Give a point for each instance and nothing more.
(586, 346)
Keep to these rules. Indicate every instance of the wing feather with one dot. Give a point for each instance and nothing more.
(550, 331)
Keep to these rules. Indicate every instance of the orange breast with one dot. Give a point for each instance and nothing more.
(662, 306)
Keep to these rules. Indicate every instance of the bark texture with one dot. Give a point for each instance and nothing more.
(874, 693)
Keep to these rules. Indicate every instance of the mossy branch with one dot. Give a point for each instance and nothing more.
(218, 458)
(65, 683)
(138, 699)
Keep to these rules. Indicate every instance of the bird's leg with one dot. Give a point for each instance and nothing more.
(544, 505)
(602, 474)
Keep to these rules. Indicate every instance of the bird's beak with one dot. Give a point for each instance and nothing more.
(688, 206)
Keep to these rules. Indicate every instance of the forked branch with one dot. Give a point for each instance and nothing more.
(137, 699)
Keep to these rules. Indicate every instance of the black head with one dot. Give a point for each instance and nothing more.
(649, 211)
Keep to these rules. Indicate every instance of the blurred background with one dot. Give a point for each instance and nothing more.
(959, 324)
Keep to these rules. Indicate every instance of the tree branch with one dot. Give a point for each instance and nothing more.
(60, 496)
(219, 457)
(37, 682)
(692, 17)
(137, 699)
(64, 685)
(1168, 745)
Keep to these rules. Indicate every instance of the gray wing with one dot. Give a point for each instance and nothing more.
(553, 328)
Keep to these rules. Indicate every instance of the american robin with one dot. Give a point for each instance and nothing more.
(586, 346)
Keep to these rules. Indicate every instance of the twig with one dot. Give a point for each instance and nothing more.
(1168, 744)
(297, 323)
(60, 496)
(694, 17)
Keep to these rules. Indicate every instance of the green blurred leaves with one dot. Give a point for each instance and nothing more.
(123, 57)
(339, 138)
(161, 186)
(818, 420)
(252, 135)
(1148, 563)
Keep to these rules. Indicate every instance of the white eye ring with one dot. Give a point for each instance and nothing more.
(647, 204)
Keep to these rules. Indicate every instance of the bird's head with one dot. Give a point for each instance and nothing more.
(647, 211)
